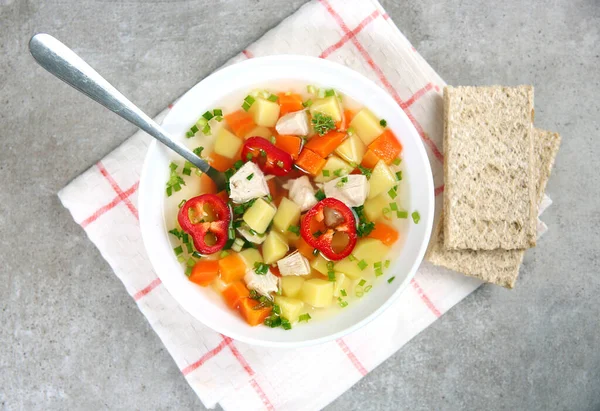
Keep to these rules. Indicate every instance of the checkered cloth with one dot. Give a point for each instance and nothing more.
(360, 35)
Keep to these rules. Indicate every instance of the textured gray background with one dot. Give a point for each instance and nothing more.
(71, 337)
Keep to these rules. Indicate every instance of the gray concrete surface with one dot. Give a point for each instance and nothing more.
(71, 337)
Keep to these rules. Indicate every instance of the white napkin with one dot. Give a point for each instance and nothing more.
(238, 376)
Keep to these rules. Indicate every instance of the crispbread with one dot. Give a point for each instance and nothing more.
(489, 196)
(496, 266)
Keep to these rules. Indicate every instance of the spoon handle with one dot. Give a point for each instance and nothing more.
(61, 61)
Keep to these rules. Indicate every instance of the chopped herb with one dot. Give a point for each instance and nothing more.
(343, 293)
(342, 303)
(194, 129)
(261, 268)
(317, 234)
(378, 272)
(307, 103)
(366, 171)
(320, 195)
(269, 198)
(190, 248)
(368, 288)
(391, 279)
(208, 115)
(350, 131)
(175, 181)
(190, 262)
(382, 123)
(392, 193)
(198, 151)
(362, 264)
(196, 254)
(294, 229)
(188, 271)
(304, 317)
(272, 139)
(338, 172)
(223, 254)
(189, 134)
(186, 171)
(176, 232)
(377, 264)
(311, 89)
(399, 175)
(351, 258)
(272, 97)
(330, 92)
(181, 258)
(416, 217)
(315, 252)
(362, 282)
(397, 161)
(181, 203)
(325, 173)
(250, 176)
(364, 226)
(322, 123)
(206, 130)
(248, 101)
(273, 321)
(386, 264)
(173, 166)
(238, 164)
(402, 214)
(285, 324)
(263, 153)
(249, 156)
(276, 309)
(178, 250)
(218, 112)
(393, 206)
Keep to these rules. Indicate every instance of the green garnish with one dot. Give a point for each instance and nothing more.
(320, 195)
(194, 129)
(190, 262)
(368, 288)
(362, 282)
(285, 323)
(341, 183)
(390, 279)
(392, 193)
(173, 166)
(238, 164)
(250, 176)
(397, 161)
(362, 264)
(338, 172)
(416, 217)
(261, 268)
(176, 233)
(342, 303)
(330, 272)
(276, 309)
(248, 101)
(272, 139)
(325, 173)
(402, 214)
(181, 203)
(208, 115)
(382, 123)
(366, 171)
(304, 317)
(206, 130)
(322, 123)
(399, 175)
(307, 103)
(343, 293)
(196, 254)
(330, 92)
(294, 229)
(351, 258)
(218, 112)
(178, 250)
(249, 156)
(364, 226)
(175, 181)
(198, 151)
(386, 264)
(223, 254)
(188, 271)
(189, 247)
(350, 131)
(189, 134)
(272, 97)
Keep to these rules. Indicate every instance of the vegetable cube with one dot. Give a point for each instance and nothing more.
(227, 144)
(274, 247)
(374, 206)
(370, 249)
(342, 282)
(320, 264)
(366, 126)
(352, 149)
(334, 167)
(288, 214)
(382, 180)
(317, 292)
(251, 256)
(259, 215)
(290, 307)
(349, 268)
(329, 106)
(264, 112)
(259, 131)
(291, 285)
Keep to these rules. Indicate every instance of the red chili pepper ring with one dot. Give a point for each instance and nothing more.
(206, 218)
(270, 159)
(321, 224)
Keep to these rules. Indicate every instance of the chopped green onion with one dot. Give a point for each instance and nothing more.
(250, 176)
(350, 131)
(294, 229)
(416, 217)
(169, 191)
(196, 254)
(362, 264)
(351, 258)
(187, 171)
(269, 198)
(218, 112)
(399, 175)
(177, 187)
(176, 232)
(219, 118)
(366, 171)
(190, 248)
(320, 195)
(382, 123)
(181, 258)
(188, 271)
(325, 173)
(330, 92)
(178, 250)
(368, 288)
(173, 166)
(231, 233)
(276, 309)
(343, 293)
(393, 206)
(239, 209)
(285, 324)
(208, 115)
(272, 139)
(238, 164)
(237, 245)
(377, 264)
(201, 122)
(338, 172)
(261, 268)
(194, 129)
(378, 272)
(190, 262)
(189, 134)
(307, 103)
(315, 252)
(272, 97)
(304, 317)
(386, 264)
(198, 151)
(198, 172)
(402, 214)
(392, 193)
(342, 303)
(263, 153)
(181, 203)
(397, 161)
(321, 93)
(331, 275)
(206, 130)
(250, 100)
(362, 282)
(391, 279)
(311, 89)
(223, 254)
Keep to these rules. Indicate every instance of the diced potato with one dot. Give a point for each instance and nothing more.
(333, 164)
(329, 106)
(317, 292)
(349, 268)
(367, 126)
(371, 250)
(259, 215)
(352, 149)
(274, 247)
(374, 206)
(320, 264)
(264, 112)
(382, 179)
(227, 144)
(291, 308)
(287, 214)
(342, 282)
(291, 285)
(259, 131)
(251, 256)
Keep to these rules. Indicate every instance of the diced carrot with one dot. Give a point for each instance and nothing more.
(348, 115)
(289, 102)
(326, 144)
(388, 235)
(240, 122)
(369, 159)
(275, 271)
(310, 162)
(207, 185)
(223, 196)
(386, 147)
(204, 272)
(289, 144)
(305, 249)
(234, 293)
(252, 316)
(232, 268)
(220, 162)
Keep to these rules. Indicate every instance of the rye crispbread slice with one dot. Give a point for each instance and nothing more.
(489, 196)
(496, 266)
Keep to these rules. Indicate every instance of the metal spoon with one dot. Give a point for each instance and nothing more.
(61, 61)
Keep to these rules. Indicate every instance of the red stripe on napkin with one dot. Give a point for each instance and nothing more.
(146, 290)
(363, 371)
(117, 189)
(109, 206)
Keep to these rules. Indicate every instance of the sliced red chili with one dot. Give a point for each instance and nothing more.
(270, 159)
(324, 223)
(206, 219)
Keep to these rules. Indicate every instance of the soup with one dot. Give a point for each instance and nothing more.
(314, 201)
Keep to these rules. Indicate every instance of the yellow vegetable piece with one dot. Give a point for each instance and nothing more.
(291, 285)
(367, 126)
(264, 112)
(371, 250)
(349, 268)
(332, 165)
(251, 256)
(291, 308)
(317, 292)
(320, 264)
(259, 131)
(274, 247)
(342, 282)
(382, 179)
(287, 214)
(352, 149)
(227, 144)
(259, 215)
(329, 106)
(374, 206)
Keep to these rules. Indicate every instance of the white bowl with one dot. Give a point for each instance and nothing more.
(204, 303)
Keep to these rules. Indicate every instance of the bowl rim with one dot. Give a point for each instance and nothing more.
(426, 218)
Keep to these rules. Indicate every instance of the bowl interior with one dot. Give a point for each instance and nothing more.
(204, 303)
